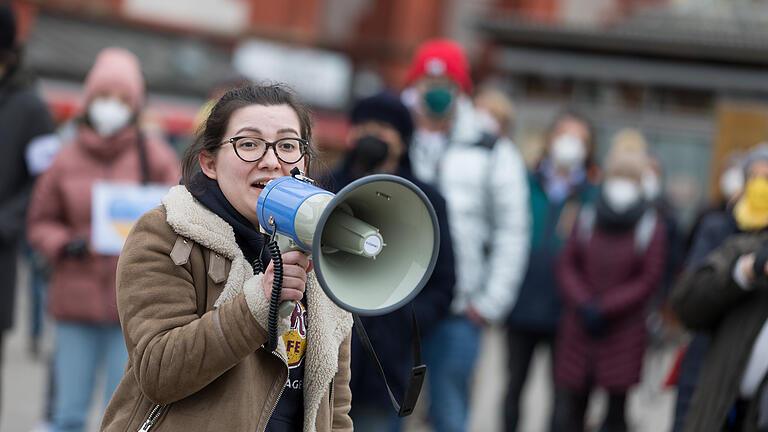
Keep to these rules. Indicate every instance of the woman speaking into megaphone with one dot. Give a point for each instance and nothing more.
(193, 301)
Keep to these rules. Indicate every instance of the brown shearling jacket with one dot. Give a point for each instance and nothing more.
(210, 371)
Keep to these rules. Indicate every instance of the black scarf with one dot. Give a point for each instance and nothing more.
(250, 240)
(612, 220)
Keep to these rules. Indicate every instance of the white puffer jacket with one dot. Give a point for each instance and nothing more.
(487, 196)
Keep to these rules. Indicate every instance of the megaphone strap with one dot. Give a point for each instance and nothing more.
(416, 380)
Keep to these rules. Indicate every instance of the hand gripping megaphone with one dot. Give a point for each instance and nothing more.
(374, 244)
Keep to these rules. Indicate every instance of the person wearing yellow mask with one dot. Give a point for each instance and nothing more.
(751, 210)
(726, 295)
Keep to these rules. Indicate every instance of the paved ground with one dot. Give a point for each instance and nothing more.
(650, 406)
(24, 379)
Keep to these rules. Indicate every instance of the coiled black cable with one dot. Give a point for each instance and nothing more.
(277, 288)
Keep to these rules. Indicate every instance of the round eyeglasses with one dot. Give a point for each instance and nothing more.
(252, 149)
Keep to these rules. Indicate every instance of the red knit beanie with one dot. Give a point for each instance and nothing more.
(438, 57)
(116, 70)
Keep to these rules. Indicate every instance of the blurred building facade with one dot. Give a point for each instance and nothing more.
(691, 74)
(187, 47)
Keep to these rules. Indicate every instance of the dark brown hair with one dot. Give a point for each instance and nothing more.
(211, 133)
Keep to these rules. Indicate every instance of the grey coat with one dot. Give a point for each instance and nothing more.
(23, 117)
(708, 299)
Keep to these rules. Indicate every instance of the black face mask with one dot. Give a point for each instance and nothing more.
(369, 153)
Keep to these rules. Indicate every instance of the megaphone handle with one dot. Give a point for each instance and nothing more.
(286, 308)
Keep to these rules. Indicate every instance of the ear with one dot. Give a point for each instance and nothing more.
(352, 136)
(207, 164)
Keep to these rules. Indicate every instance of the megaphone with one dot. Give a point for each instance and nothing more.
(374, 244)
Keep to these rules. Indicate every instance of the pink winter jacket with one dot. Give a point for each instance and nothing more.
(83, 289)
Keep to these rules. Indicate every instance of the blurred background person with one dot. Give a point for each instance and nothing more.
(730, 181)
(108, 146)
(231, 79)
(664, 332)
(495, 111)
(381, 132)
(722, 298)
(482, 178)
(653, 191)
(608, 272)
(25, 125)
(558, 186)
(710, 232)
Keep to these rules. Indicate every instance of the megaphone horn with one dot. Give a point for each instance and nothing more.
(374, 244)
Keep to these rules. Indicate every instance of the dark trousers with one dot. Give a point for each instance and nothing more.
(574, 407)
(521, 345)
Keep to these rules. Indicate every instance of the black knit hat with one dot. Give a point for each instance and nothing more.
(7, 28)
(386, 108)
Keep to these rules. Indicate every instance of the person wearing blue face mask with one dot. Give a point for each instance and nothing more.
(483, 180)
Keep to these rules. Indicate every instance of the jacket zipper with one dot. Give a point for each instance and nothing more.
(154, 415)
(282, 389)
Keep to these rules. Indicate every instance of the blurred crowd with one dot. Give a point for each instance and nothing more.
(577, 253)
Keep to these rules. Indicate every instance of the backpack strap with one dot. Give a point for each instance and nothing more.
(487, 141)
(586, 223)
(644, 230)
(180, 256)
(143, 158)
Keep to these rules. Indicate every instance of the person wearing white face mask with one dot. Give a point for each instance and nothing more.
(562, 181)
(108, 146)
(608, 271)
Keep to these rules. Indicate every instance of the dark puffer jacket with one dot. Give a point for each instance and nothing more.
(609, 271)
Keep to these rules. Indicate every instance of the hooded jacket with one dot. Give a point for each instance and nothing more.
(486, 191)
(83, 289)
(210, 371)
